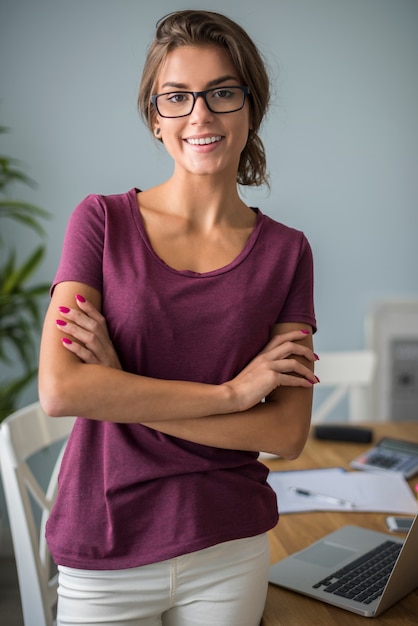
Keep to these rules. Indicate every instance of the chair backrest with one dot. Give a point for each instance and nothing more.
(348, 374)
(22, 435)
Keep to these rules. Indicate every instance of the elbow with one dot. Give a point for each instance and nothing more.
(292, 453)
(51, 408)
(296, 446)
(288, 450)
(290, 445)
(298, 441)
(54, 399)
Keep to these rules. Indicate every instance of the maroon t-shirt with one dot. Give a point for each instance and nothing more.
(129, 495)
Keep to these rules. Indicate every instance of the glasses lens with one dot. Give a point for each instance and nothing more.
(175, 104)
(225, 99)
(219, 100)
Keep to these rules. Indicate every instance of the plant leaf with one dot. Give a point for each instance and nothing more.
(20, 275)
(10, 391)
(25, 213)
(10, 174)
(20, 303)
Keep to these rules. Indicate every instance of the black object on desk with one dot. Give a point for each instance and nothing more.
(340, 432)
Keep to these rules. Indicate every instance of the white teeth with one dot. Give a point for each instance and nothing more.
(204, 140)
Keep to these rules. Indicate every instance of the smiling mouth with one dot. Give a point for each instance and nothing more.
(202, 141)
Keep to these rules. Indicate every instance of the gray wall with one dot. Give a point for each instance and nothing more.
(341, 135)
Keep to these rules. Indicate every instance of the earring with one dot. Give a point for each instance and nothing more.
(157, 132)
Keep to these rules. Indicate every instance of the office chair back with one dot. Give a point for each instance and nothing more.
(23, 435)
(346, 374)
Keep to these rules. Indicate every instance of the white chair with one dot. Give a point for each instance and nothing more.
(22, 435)
(347, 374)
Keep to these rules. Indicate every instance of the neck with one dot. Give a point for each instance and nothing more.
(203, 198)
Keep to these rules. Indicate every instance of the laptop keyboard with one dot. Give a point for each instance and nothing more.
(365, 578)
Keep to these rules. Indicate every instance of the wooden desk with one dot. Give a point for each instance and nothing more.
(297, 530)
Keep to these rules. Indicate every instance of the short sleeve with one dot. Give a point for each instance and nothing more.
(82, 251)
(299, 304)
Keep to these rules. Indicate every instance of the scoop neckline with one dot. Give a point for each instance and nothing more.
(139, 221)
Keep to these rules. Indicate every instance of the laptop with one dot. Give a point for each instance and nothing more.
(390, 454)
(323, 569)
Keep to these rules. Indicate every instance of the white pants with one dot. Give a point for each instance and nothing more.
(224, 585)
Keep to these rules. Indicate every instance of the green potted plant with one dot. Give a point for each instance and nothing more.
(20, 299)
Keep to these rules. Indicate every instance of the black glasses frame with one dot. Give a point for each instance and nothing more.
(200, 94)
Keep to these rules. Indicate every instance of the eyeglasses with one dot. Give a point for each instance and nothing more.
(218, 100)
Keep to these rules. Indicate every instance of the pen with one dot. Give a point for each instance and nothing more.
(322, 496)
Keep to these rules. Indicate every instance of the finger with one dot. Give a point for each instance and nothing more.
(79, 350)
(95, 325)
(94, 348)
(289, 349)
(88, 308)
(88, 347)
(76, 330)
(91, 320)
(91, 340)
(292, 335)
(295, 368)
(289, 380)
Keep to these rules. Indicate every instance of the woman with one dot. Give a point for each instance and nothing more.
(205, 311)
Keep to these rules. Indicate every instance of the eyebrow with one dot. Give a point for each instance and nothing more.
(211, 83)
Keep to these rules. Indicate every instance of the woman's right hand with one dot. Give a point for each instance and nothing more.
(279, 364)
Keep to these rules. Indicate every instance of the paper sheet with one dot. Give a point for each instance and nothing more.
(388, 492)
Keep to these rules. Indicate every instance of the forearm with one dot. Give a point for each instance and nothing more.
(103, 393)
(69, 386)
(279, 427)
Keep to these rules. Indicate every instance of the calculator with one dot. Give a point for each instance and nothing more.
(391, 455)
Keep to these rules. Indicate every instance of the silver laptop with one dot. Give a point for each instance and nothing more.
(323, 570)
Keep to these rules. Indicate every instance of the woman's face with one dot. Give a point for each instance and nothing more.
(195, 68)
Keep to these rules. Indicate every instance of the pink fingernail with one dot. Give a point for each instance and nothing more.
(305, 332)
(316, 356)
(80, 298)
(65, 340)
(313, 382)
(64, 309)
(61, 323)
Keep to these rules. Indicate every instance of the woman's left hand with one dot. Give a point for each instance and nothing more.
(90, 339)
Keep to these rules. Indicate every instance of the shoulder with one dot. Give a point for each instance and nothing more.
(105, 203)
(97, 214)
(280, 234)
(274, 226)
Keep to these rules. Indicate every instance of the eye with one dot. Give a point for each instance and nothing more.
(224, 93)
(176, 98)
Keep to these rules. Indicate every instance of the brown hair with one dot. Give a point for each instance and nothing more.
(191, 28)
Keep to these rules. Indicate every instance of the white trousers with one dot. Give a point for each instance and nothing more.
(224, 585)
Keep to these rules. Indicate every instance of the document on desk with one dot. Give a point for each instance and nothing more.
(336, 489)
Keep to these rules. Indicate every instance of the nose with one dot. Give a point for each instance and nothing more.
(200, 110)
